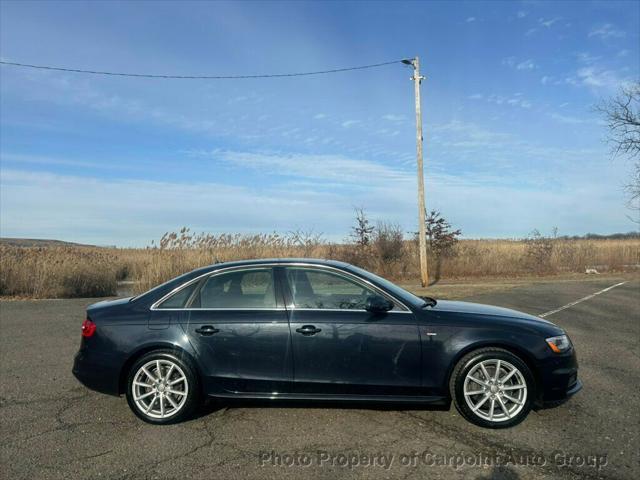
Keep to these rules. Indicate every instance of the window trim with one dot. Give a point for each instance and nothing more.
(156, 305)
(402, 308)
(177, 290)
(284, 307)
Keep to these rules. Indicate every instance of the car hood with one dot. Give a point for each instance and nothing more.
(487, 310)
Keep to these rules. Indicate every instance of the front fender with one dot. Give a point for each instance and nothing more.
(444, 346)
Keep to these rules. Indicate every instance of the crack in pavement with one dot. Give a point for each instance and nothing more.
(476, 440)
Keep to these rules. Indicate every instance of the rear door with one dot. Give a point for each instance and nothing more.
(237, 323)
(341, 348)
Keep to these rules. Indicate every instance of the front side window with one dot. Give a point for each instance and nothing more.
(238, 289)
(318, 289)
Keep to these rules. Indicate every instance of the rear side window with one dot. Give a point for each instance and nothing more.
(179, 299)
(239, 289)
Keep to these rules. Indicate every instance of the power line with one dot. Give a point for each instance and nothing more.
(201, 77)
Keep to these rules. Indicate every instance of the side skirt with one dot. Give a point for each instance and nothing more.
(431, 400)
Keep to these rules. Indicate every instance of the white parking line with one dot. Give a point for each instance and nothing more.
(568, 305)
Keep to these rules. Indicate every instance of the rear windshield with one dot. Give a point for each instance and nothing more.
(177, 281)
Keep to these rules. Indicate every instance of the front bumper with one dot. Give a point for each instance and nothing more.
(548, 403)
(97, 372)
(559, 378)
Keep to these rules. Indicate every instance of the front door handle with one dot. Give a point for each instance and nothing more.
(207, 330)
(307, 330)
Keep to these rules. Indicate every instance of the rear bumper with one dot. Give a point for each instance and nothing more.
(97, 372)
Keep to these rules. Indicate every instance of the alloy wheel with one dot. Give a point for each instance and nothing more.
(160, 389)
(495, 390)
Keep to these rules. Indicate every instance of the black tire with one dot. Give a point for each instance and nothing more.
(191, 385)
(473, 359)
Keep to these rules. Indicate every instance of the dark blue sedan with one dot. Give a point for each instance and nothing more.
(319, 330)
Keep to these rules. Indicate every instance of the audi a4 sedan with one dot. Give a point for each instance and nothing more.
(319, 330)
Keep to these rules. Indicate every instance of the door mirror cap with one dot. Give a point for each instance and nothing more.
(378, 304)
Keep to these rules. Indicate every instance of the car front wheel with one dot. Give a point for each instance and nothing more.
(162, 388)
(492, 388)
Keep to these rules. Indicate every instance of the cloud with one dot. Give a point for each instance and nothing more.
(526, 65)
(338, 169)
(22, 159)
(597, 77)
(595, 73)
(606, 31)
(65, 90)
(481, 151)
(522, 14)
(570, 119)
(38, 204)
(394, 118)
(548, 22)
(457, 133)
(350, 123)
(161, 111)
(587, 58)
(470, 19)
(133, 212)
(513, 62)
(238, 99)
(515, 100)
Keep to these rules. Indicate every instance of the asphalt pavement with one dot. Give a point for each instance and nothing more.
(52, 427)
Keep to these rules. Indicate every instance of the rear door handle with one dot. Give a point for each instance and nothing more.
(307, 330)
(207, 330)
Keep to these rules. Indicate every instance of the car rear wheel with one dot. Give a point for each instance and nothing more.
(162, 388)
(492, 388)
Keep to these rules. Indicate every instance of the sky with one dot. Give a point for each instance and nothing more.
(512, 141)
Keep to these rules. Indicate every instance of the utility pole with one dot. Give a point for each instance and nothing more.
(422, 233)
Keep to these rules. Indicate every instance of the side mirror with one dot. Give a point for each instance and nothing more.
(378, 304)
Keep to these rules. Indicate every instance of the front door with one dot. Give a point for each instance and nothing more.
(237, 323)
(341, 348)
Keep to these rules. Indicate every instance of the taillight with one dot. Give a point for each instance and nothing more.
(88, 328)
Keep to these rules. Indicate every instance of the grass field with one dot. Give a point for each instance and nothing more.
(55, 271)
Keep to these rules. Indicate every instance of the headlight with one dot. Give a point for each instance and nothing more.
(559, 344)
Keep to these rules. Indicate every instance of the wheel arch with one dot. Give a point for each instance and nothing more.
(516, 350)
(133, 357)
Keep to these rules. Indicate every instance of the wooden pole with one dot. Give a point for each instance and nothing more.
(422, 234)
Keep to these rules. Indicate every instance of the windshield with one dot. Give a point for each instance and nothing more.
(389, 286)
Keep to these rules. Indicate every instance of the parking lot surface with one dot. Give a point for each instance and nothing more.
(52, 427)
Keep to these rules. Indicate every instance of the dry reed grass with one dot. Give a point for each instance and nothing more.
(59, 272)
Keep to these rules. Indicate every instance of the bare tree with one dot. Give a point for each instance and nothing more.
(308, 240)
(538, 251)
(622, 114)
(388, 248)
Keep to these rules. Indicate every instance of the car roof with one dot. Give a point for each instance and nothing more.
(268, 261)
(166, 287)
